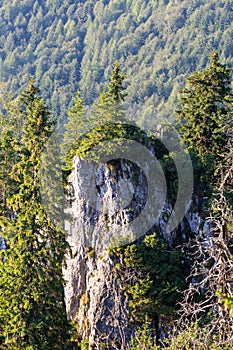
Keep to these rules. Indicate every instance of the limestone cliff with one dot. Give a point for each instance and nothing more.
(94, 295)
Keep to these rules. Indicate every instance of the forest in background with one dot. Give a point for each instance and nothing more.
(71, 45)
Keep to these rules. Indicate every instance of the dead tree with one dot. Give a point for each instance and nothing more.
(211, 277)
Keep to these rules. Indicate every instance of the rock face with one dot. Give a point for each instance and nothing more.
(2, 244)
(104, 203)
(111, 201)
(95, 300)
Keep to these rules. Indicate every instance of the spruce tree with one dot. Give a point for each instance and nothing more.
(108, 116)
(75, 129)
(7, 158)
(86, 129)
(116, 91)
(10, 128)
(9, 137)
(205, 111)
(207, 124)
(32, 309)
(110, 104)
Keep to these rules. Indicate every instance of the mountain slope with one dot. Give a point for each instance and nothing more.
(158, 43)
(73, 44)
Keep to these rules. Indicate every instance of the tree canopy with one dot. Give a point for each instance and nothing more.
(72, 45)
(206, 112)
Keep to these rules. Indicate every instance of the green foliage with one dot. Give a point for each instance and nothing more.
(86, 133)
(84, 345)
(169, 168)
(75, 129)
(206, 106)
(227, 302)
(196, 338)
(153, 275)
(10, 136)
(115, 92)
(95, 145)
(193, 338)
(72, 45)
(46, 39)
(32, 312)
(159, 43)
(32, 309)
(143, 339)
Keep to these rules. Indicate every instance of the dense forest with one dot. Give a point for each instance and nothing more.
(71, 45)
(84, 65)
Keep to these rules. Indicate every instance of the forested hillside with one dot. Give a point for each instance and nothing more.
(44, 39)
(71, 45)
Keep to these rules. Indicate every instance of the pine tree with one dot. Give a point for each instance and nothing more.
(32, 310)
(205, 109)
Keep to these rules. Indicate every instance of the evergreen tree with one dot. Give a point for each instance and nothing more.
(207, 301)
(9, 135)
(108, 116)
(32, 309)
(109, 106)
(116, 89)
(205, 108)
(7, 159)
(10, 126)
(76, 127)
(85, 130)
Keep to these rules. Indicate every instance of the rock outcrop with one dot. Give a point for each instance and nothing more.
(94, 295)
